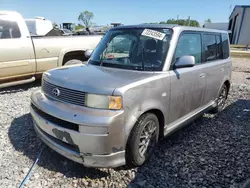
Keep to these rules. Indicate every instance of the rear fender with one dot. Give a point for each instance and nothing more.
(227, 78)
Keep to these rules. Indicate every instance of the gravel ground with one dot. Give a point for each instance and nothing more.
(214, 151)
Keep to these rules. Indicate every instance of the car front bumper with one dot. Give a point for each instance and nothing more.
(99, 140)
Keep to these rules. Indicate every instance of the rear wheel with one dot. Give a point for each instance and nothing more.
(221, 99)
(143, 140)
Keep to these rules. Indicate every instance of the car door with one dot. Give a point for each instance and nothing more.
(16, 51)
(215, 65)
(187, 84)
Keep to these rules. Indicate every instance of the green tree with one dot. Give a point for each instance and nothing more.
(79, 26)
(86, 17)
(194, 23)
(187, 22)
(208, 20)
(171, 21)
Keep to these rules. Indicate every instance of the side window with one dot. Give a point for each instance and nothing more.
(210, 47)
(189, 44)
(225, 45)
(8, 28)
(219, 47)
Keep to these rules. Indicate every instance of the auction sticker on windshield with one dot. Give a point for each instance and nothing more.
(153, 34)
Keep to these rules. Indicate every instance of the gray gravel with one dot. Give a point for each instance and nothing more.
(214, 151)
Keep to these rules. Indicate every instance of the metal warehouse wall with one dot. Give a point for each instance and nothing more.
(239, 11)
(244, 37)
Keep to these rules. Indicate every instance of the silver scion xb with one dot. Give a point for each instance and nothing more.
(141, 83)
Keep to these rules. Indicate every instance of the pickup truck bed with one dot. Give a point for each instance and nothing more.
(22, 57)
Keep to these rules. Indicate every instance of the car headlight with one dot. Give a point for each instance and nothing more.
(103, 101)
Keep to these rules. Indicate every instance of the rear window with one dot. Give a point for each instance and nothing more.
(216, 46)
(219, 47)
(8, 28)
(210, 47)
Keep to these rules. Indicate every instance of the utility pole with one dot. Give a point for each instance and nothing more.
(188, 20)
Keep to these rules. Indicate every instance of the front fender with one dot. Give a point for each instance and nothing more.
(132, 115)
(143, 95)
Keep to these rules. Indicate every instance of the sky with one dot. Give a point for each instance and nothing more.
(126, 11)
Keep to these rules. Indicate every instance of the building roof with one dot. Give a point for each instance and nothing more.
(239, 6)
(220, 26)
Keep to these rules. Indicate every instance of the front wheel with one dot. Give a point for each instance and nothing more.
(143, 140)
(221, 99)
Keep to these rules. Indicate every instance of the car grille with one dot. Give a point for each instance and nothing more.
(63, 94)
(57, 121)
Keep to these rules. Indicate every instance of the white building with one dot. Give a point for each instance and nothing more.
(239, 25)
(220, 26)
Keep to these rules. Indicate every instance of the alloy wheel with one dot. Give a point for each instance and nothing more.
(148, 138)
(222, 98)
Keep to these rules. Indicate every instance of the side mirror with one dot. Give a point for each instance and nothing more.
(185, 61)
(88, 53)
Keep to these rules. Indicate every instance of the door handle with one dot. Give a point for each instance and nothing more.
(202, 75)
(222, 69)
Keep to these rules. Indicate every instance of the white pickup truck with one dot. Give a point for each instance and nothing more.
(24, 58)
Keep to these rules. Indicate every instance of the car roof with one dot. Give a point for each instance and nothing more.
(144, 26)
(167, 26)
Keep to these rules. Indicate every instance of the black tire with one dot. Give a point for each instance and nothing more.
(133, 155)
(220, 106)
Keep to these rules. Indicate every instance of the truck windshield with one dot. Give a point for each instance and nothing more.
(134, 48)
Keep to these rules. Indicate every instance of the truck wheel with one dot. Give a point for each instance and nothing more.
(143, 140)
(73, 62)
(221, 100)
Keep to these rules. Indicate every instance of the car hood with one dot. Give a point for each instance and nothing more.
(93, 79)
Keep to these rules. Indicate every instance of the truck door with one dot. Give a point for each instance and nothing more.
(16, 49)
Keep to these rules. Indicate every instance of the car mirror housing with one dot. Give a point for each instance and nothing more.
(185, 61)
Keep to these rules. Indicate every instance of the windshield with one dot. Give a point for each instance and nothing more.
(133, 48)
